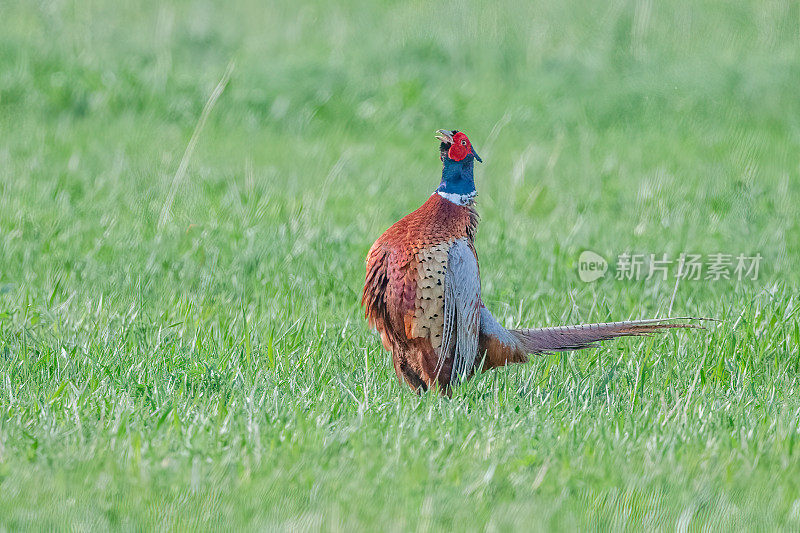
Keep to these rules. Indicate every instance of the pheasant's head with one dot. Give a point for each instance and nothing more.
(455, 146)
(457, 155)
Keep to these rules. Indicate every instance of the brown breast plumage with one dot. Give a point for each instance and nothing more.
(404, 289)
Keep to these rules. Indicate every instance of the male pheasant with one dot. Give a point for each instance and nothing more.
(423, 291)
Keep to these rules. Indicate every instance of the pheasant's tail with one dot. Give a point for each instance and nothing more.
(564, 338)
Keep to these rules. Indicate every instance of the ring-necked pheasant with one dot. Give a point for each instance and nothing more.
(423, 290)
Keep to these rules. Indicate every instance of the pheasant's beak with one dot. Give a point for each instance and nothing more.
(445, 136)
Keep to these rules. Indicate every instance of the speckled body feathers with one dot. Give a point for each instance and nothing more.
(404, 289)
(404, 293)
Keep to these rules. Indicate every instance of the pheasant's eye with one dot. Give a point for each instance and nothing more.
(463, 142)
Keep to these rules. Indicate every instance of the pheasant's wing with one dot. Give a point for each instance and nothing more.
(462, 306)
(389, 292)
(373, 299)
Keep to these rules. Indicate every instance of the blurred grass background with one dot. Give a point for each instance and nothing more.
(216, 371)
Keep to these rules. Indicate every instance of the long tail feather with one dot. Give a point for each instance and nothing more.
(565, 338)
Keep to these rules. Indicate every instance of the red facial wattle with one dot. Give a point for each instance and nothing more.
(460, 148)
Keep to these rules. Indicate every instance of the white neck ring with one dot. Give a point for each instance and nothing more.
(458, 199)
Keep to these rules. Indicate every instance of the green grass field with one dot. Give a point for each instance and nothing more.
(186, 349)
